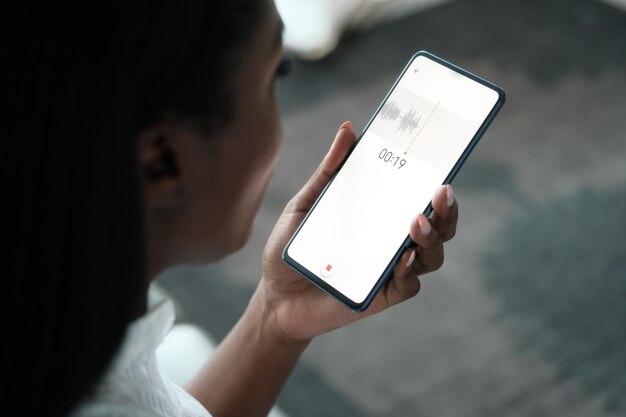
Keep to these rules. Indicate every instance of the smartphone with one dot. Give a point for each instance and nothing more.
(417, 140)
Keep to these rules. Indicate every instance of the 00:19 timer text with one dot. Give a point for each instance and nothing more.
(387, 156)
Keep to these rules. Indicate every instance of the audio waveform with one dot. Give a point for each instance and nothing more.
(409, 121)
(390, 111)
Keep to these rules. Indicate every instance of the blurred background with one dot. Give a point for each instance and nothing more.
(528, 314)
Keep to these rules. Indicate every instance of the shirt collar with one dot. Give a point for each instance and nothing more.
(145, 334)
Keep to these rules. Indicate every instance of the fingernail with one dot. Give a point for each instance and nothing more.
(450, 196)
(411, 259)
(346, 125)
(425, 226)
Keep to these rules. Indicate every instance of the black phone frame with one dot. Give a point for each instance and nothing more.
(408, 243)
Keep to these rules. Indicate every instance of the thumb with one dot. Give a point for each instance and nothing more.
(338, 150)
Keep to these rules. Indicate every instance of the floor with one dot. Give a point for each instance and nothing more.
(527, 316)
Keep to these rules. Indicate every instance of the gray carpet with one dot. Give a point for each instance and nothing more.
(561, 284)
(526, 317)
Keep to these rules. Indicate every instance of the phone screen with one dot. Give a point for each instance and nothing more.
(416, 141)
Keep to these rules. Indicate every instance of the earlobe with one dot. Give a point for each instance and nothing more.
(159, 168)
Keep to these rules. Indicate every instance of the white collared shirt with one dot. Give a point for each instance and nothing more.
(134, 384)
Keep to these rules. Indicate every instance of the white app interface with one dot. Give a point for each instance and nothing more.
(414, 142)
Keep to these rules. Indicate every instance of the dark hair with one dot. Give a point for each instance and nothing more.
(82, 83)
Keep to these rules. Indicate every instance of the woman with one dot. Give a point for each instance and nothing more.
(148, 138)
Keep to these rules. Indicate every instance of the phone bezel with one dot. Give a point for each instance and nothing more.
(408, 243)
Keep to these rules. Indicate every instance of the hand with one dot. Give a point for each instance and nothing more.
(300, 310)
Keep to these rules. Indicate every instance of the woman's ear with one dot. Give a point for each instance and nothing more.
(159, 166)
